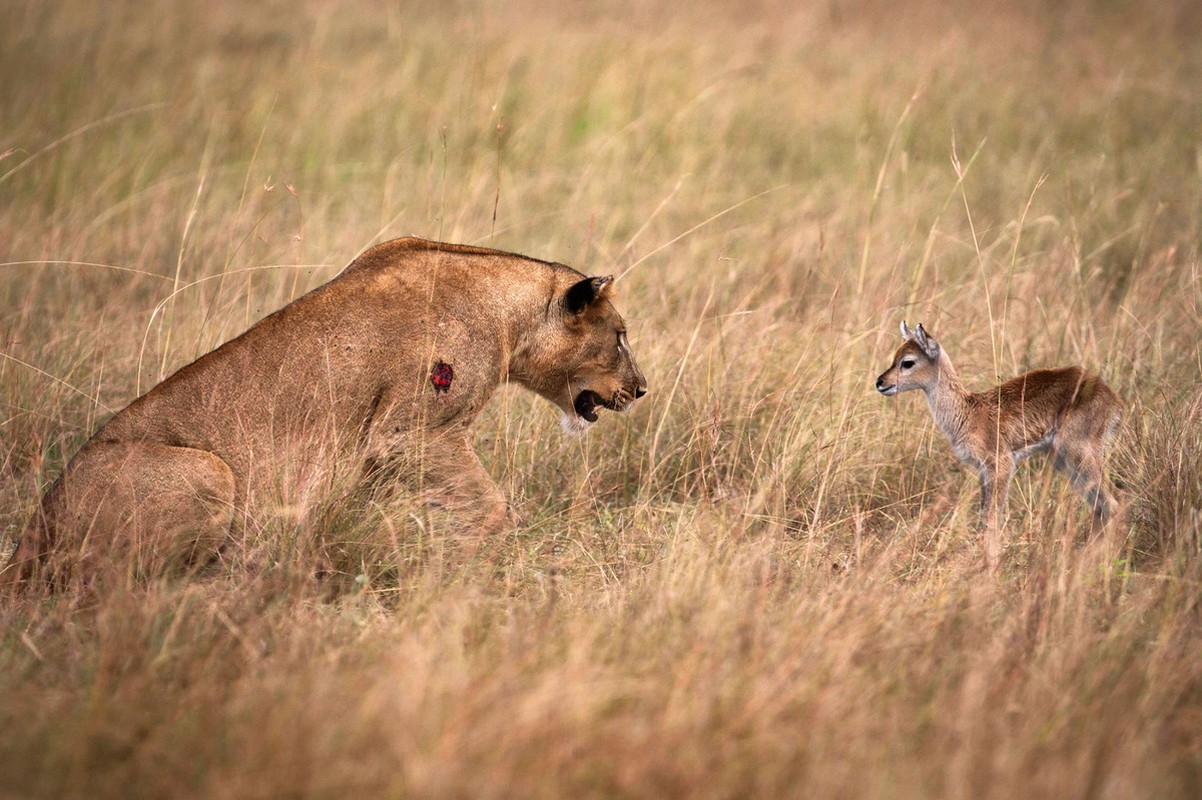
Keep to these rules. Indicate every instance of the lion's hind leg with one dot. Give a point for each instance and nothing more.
(135, 510)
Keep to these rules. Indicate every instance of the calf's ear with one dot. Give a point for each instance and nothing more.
(926, 342)
(584, 293)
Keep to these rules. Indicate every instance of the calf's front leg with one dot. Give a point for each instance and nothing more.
(995, 476)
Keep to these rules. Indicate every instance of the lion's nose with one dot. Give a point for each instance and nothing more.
(640, 390)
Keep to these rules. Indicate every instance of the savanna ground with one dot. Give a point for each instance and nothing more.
(763, 581)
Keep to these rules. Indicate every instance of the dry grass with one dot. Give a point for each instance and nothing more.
(764, 581)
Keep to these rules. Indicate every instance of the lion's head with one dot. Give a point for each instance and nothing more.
(579, 357)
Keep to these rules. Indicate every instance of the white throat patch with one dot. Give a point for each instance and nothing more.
(573, 424)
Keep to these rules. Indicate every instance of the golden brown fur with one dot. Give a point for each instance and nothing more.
(388, 362)
(1067, 410)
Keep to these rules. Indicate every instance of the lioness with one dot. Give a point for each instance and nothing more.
(389, 361)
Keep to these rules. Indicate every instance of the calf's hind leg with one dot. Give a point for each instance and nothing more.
(136, 508)
(1084, 467)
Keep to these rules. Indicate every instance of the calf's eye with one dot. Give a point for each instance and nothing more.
(907, 363)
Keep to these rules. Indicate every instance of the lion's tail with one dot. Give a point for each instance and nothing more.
(31, 551)
(14, 574)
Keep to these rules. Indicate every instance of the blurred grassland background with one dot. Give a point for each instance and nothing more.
(765, 579)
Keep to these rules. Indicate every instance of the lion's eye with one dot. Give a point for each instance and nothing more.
(907, 363)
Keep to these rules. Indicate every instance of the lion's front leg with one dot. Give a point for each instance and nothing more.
(454, 479)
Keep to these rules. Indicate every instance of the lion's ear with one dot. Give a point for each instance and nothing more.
(584, 293)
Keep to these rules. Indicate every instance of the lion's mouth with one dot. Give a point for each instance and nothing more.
(587, 403)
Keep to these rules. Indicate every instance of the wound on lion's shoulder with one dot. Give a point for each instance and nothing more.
(441, 375)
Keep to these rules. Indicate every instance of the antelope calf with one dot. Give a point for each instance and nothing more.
(1066, 410)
